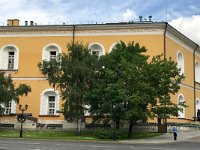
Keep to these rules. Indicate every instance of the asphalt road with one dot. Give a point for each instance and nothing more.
(24, 144)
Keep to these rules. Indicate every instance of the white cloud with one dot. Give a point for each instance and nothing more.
(189, 26)
(40, 11)
(129, 15)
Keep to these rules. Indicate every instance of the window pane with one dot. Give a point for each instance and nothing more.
(180, 64)
(11, 56)
(96, 50)
(8, 108)
(52, 54)
(51, 108)
(51, 111)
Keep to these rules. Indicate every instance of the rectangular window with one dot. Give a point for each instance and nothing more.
(51, 109)
(11, 56)
(8, 108)
(52, 55)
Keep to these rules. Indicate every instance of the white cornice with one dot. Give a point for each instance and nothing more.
(41, 34)
(178, 41)
(120, 33)
(28, 79)
(86, 33)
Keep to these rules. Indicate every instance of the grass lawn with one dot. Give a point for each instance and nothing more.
(70, 135)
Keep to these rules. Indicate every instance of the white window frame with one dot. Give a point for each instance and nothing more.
(4, 57)
(180, 62)
(44, 102)
(197, 72)
(112, 46)
(181, 99)
(46, 51)
(101, 49)
(10, 109)
(51, 105)
(11, 60)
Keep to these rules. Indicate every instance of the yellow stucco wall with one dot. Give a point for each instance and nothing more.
(33, 98)
(30, 54)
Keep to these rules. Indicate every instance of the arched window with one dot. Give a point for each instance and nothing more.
(9, 57)
(180, 63)
(49, 102)
(197, 72)
(96, 49)
(50, 51)
(112, 47)
(181, 114)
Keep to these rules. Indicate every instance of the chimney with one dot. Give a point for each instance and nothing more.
(13, 22)
(31, 23)
(9, 22)
(26, 23)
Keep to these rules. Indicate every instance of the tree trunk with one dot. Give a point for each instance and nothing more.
(162, 127)
(159, 120)
(117, 124)
(159, 124)
(130, 130)
(78, 126)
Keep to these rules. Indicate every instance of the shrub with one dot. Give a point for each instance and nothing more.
(107, 134)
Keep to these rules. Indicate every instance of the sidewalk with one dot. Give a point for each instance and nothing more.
(165, 138)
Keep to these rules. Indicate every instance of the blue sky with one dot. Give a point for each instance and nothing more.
(184, 15)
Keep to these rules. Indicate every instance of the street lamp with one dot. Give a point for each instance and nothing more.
(114, 122)
(22, 118)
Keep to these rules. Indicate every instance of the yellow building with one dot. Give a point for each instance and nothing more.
(23, 47)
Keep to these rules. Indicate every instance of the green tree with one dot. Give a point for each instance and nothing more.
(72, 73)
(131, 87)
(165, 78)
(121, 89)
(9, 92)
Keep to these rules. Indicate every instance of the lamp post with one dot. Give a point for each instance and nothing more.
(114, 122)
(21, 118)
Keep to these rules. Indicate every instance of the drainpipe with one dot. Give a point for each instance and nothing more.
(73, 34)
(165, 40)
(194, 73)
(164, 44)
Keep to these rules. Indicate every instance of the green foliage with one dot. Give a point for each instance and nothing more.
(119, 85)
(127, 86)
(71, 73)
(9, 92)
(107, 134)
(165, 79)
(23, 89)
(123, 85)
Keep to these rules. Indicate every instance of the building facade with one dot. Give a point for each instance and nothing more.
(23, 47)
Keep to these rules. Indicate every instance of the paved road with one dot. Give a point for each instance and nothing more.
(24, 144)
(166, 138)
